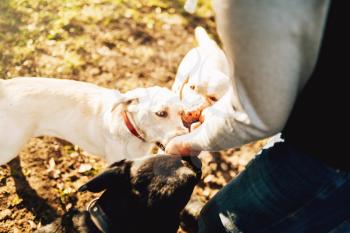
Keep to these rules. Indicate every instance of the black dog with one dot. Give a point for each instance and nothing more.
(145, 195)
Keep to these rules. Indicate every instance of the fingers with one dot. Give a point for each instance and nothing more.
(178, 146)
(190, 144)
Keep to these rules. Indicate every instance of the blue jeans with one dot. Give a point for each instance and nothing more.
(282, 190)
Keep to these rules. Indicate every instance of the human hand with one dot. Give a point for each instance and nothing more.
(214, 134)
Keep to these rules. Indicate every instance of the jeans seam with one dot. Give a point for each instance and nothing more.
(339, 225)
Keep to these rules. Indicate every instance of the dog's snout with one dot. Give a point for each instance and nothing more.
(194, 163)
(194, 115)
(190, 117)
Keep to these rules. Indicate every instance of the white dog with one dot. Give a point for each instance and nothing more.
(102, 121)
(202, 77)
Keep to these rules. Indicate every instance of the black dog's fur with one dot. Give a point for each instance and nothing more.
(148, 201)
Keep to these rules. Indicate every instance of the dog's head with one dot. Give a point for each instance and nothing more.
(200, 91)
(146, 195)
(202, 77)
(156, 112)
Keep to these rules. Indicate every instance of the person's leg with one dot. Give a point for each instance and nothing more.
(343, 227)
(281, 190)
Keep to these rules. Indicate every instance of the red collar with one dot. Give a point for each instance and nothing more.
(134, 132)
(131, 127)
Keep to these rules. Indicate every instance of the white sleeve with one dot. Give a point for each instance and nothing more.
(272, 47)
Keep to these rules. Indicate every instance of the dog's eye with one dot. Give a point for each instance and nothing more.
(213, 98)
(162, 113)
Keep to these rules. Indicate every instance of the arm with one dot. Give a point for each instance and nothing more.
(272, 47)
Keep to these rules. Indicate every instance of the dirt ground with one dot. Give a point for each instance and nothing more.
(112, 43)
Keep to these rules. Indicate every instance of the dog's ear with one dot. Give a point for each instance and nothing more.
(117, 175)
(127, 101)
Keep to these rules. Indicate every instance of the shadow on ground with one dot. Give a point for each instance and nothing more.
(31, 200)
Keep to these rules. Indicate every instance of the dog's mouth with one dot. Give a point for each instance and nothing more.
(192, 116)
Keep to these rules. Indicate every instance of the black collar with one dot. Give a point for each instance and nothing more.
(99, 217)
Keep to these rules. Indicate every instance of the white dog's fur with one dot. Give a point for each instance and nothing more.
(203, 75)
(86, 115)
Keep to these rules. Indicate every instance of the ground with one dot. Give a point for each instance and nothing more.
(113, 43)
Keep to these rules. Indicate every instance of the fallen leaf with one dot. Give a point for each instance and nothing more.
(84, 168)
(5, 214)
